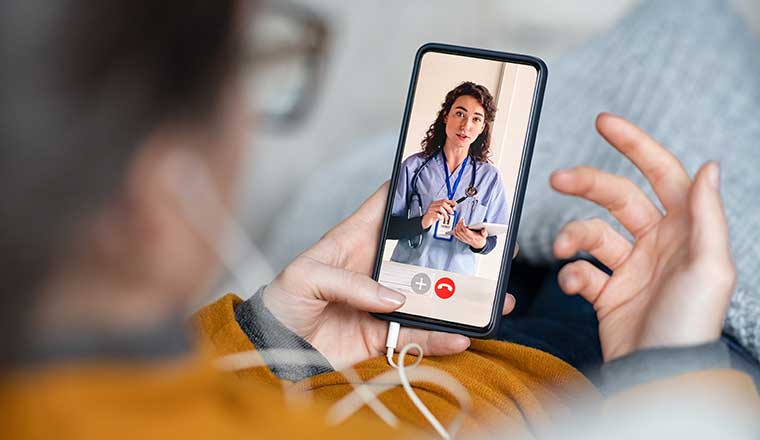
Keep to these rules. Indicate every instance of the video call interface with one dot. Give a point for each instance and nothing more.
(454, 194)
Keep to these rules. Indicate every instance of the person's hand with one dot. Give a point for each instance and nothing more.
(476, 239)
(438, 210)
(672, 286)
(325, 294)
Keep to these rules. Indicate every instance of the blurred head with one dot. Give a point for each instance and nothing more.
(464, 120)
(109, 109)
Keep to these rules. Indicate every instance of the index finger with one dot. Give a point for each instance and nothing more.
(353, 243)
(371, 211)
(661, 168)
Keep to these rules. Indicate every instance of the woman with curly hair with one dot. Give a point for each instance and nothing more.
(449, 185)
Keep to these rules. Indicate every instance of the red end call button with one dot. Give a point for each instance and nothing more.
(445, 288)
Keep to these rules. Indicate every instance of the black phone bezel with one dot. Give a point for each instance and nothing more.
(492, 327)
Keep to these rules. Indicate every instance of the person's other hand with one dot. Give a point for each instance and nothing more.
(673, 285)
(476, 239)
(438, 210)
(325, 294)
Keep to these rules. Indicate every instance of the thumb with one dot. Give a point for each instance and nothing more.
(709, 234)
(336, 285)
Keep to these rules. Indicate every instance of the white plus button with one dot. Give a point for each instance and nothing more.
(420, 283)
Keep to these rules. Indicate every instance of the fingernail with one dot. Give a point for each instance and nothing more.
(560, 173)
(510, 298)
(567, 279)
(563, 174)
(391, 297)
(563, 238)
(713, 175)
(459, 342)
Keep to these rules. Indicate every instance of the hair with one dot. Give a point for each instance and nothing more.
(435, 137)
(83, 84)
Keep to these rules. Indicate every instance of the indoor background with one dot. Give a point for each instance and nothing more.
(361, 99)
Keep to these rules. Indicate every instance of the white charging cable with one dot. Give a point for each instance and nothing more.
(390, 343)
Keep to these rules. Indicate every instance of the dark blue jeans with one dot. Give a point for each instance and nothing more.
(566, 326)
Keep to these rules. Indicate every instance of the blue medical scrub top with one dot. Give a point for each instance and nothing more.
(488, 205)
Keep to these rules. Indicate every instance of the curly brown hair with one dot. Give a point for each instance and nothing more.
(435, 136)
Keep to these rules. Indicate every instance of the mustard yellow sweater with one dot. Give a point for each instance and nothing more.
(516, 392)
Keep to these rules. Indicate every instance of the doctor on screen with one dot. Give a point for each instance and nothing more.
(448, 186)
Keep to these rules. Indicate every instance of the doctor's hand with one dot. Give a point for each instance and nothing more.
(438, 210)
(476, 239)
(325, 294)
(672, 285)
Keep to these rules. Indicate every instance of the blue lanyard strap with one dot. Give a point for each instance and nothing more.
(452, 191)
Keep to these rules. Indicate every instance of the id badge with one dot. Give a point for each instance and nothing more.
(444, 228)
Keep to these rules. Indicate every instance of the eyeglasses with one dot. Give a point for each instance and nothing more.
(284, 62)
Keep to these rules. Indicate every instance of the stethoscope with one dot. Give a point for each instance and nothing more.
(414, 202)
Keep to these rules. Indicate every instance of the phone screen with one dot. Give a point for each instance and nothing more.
(458, 181)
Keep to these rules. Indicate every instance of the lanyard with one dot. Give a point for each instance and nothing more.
(452, 191)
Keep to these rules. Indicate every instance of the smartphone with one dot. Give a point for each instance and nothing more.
(463, 156)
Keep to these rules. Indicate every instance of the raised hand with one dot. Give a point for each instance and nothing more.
(672, 285)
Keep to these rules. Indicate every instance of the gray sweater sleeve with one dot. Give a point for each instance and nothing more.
(271, 337)
(659, 363)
